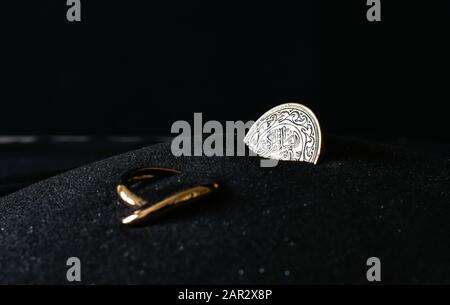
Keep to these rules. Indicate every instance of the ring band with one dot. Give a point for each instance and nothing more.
(142, 208)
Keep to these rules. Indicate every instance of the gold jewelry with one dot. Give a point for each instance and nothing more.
(142, 208)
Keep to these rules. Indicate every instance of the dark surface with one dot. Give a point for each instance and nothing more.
(27, 159)
(135, 67)
(319, 223)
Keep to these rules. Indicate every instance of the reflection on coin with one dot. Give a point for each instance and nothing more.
(287, 132)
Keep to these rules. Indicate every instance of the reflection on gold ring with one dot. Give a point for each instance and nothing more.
(142, 207)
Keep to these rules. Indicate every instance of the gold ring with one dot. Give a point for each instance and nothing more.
(141, 207)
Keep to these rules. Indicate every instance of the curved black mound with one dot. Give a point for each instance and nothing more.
(295, 223)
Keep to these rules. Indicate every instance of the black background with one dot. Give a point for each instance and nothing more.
(134, 67)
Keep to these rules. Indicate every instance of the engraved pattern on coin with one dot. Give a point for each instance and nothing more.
(287, 132)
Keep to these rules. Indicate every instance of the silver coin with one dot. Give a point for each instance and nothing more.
(286, 132)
